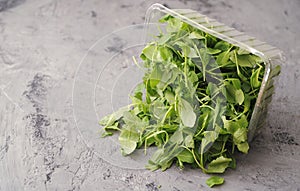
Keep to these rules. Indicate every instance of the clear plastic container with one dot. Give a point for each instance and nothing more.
(107, 74)
(270, 55)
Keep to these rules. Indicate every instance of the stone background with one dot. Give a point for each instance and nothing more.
(41, 45)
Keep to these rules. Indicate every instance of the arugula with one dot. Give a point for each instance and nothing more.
(214, 180)
(194, 104)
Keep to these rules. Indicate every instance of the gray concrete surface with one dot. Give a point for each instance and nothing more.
(41, 45)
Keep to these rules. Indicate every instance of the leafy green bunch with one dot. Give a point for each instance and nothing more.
(194, 104)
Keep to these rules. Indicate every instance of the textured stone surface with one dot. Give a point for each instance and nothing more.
(41, 45)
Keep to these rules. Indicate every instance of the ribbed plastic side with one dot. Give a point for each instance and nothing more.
(268, 50)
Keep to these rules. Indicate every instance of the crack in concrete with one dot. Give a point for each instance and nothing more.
(39, 124)
(36, 94)
(84, 158)
(4, 148)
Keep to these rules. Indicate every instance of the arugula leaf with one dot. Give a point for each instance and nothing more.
(128, 140)
(243, 147)
(232, 94)
(110, 121)
(209, 138)
(244, 60)
(196, 35)
(223, 58)
(186, 113)
(218, 165)
(222, 45)
(130, 132)
(186, 156)
(254, 79)
(214, 180)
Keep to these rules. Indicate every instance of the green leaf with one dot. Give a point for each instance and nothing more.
(218, 165)
(165, 80)
(229, 125)
(130, 133)
(247, 103)
(205, 59)
(213, 51)
(155, 76)
(158, 109)
(214, 180)
(239, 127)
(223, 58)
(222, 45)
(193, 77)
(211, 40)
(177, 137)
(166, 165)
(111, 119)
(246, 87)
(212, 89)
(157, 53)
(170, 97)
(164, 39)
(243, 147)
(186, 49)
(239, 96)
(244, 60)
(243, 121)
(209, 138)
(105, 134)
(203, 121)
(189, 141)
(236, 83)
(138, 91)
(151, 53)
(232, 94)
(163, 157)
(170, 128)
(204, 56)
(196, 35)
(254, 79)
(174, 24)
(187, 114)
(186, 156)
(128, 140)
(234, 59)
(232, 164)
(165, 18)
(133, 121)
(113, 127)
(165, 53)
(240, 135)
